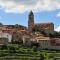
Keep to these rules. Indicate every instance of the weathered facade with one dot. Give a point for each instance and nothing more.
(3, 41)
(30, 21)
(41, 26)
(12, 28)
(6, 35)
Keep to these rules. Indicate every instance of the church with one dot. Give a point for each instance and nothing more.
(48, 27)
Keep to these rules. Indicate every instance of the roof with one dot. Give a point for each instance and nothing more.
(42, 38)
(44, 23)
(13, 26)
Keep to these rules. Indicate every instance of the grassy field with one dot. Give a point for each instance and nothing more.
(17, 52)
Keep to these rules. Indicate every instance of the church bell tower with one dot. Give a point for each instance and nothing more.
(30, 21)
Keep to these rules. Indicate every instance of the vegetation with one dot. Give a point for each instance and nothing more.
(1, 24)
(19, 52)
(55, 34)
(41, 57)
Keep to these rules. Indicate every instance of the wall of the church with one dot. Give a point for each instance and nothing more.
(45, 26)
(49, 27)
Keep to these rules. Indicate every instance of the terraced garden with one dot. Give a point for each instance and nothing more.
(17, 52)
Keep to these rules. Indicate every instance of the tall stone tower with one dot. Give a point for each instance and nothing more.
(30, 21)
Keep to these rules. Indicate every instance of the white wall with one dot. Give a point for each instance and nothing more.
(46, 44)
(6, 35)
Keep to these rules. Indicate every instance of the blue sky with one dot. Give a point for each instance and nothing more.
(16, 11)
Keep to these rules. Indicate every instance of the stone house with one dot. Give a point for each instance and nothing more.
(44, 42)
(26, 40)
(6, 35)
(3, 41)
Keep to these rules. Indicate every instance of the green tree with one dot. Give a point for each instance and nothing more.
(16, 25)
(55, 34)
(4, 47)
(1, 24)
(41, 57)
(12, 49)
(34, 48)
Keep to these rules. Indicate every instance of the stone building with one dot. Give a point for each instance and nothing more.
(44, 42)
(26, 40)
(30, 21)
(5, 38)
(3, 41)
(40, 26)
(12, 28)
(6, 35)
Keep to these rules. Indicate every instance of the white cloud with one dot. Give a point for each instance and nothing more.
(57, 29)
(58, 15)
(20, 6)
